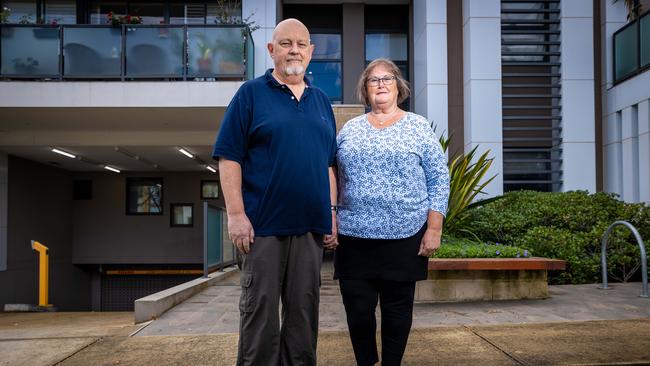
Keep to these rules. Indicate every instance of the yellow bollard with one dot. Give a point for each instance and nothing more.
(43, 269)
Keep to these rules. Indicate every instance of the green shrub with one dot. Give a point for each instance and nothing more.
(465, 248)
(566, 226)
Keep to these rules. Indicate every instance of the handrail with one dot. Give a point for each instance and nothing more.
(43, 273)
(229, 60)
(603, 256)
(222, 244)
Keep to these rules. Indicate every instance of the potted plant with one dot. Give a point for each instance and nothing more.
(4, 15)
(116, 20)
(47, 32)
(25, 67)
(206, 51)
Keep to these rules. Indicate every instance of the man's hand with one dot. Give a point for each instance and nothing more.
(332, 241)
(240, 231)
(430, 242)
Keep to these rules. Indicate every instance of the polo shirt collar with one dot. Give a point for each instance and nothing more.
(270, 79)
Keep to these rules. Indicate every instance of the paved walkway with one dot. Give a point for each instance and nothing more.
(578, 325)
(215, 310)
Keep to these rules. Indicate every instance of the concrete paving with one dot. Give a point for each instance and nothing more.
(578, 325)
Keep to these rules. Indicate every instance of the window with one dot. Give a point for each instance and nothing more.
(60, 11)
(325, 25)
(144, 196)
(98, 11)
(21, 11)
(209, 189)
(187, 13)
(182, 214)
(324, 70)
(386, 36)
(151, 13)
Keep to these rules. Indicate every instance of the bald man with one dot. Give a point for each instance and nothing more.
(276, 148)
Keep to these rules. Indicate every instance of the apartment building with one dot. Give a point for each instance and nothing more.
(106, 128)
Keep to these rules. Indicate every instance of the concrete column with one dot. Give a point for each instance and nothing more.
(578, 108)
(644, 150)
(264, 13)
(4, 203)
(612, 166)
(630, 154)
(614, 16)
(482, 84)
(353, 50)
(429, 88)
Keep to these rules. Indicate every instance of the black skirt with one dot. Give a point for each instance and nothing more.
(384, 259)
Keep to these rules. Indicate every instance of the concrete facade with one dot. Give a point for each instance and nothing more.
(482, 84)
(578, 108)
(458, 286)
(455, 66)
(626, 116)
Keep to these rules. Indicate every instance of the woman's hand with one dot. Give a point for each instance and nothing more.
(430, 242)
(332, 241)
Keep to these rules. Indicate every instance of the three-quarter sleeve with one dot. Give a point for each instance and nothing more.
(434, 164)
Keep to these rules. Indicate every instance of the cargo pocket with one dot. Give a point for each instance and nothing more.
(246, 298)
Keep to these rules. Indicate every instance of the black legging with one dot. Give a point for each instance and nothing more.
(396, 303)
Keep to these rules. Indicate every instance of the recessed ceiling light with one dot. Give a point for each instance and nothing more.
(61, 152)
(210, 168)
(186, 153)
(111, 168)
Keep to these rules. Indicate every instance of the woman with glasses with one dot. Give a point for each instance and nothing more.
(393, 191)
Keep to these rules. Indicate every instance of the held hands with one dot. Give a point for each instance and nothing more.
(241, 232)
(332, 241)
(430, 242)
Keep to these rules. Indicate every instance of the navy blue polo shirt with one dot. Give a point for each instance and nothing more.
(284, 147)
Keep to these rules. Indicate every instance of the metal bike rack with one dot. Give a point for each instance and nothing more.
(644, 264)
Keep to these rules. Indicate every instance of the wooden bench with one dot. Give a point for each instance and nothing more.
(486, 279)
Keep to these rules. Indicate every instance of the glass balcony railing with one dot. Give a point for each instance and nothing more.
(632, 48)
(127, 52)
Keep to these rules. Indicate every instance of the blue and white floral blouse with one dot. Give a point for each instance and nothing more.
(389, 178)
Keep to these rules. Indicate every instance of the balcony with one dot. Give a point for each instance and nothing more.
(127, 52)
(632, 48)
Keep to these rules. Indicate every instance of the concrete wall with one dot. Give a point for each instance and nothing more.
(626, 118)
(429, 87)
(578, 110)
(117, 94)
(103, 233)
(482, 84)
(265, 13)
(40, 208)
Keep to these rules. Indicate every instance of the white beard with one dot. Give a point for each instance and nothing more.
(294, 70)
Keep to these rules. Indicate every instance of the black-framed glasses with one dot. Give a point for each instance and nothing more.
(387, 80)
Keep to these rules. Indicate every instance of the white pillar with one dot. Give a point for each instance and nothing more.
(578, 99)
(613, 17)
(644, 150)
(264, 14)
(430, 62)
(482, 84)
(630, 154)
(612, 161)
(4, 184)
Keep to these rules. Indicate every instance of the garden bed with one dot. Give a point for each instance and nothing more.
(486, 279)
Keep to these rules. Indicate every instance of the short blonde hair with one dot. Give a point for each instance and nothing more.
(403, 90)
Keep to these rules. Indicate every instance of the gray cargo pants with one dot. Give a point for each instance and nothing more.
(283, 268)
